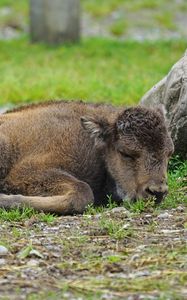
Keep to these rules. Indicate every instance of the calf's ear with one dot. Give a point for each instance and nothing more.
(98, 128)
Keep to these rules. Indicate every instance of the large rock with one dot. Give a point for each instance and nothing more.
(171, 91)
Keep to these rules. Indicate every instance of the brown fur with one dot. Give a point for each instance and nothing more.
(61, 156)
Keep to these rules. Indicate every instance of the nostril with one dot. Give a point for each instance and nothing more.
(157, 194)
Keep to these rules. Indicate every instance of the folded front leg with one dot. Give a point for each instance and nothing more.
(49, 191)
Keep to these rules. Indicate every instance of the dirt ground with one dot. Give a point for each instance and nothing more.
(115, 254)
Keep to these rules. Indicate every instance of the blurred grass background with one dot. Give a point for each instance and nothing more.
(96, 69)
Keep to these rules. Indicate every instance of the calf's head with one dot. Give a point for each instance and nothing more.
(137, 147)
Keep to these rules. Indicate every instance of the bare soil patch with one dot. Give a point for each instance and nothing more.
(112, 255)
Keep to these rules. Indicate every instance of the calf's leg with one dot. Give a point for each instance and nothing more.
(61, 193)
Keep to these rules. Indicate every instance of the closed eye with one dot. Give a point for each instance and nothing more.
(127, 156)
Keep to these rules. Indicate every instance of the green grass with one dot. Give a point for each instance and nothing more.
(17, 215)
(99, 8)
(19, 7)
(119, 27)
(95, 69)
(18, 14)
(102, 8)
(115, 229)
(177, 184)
(146, 4)
(166, 20)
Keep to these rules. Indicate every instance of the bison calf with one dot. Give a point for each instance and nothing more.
(60, 156)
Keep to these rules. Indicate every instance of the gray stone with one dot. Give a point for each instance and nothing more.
(3, 250)
(171, 91)
(139, 274)
(140, 248)
(126, 226)
(97, 216)
(169, 231)
(2, 261)
(134, 257)
(33, 263)
(9, 33)
(120, 209)
(5, 11)
(148, 216)
(180, 208)
(108, 253)
(164, 215)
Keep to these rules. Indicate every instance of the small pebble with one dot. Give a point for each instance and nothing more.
(180, 208)
(120, 209)
(2, 261)
(108, 253)
(33, 263)
(5, 11)
(148, 216)
(165, 215)
(3, 250)
(126, 226)
(169, 231)
(134, 257)
(139, 274)
(140, 248)
(97, 216)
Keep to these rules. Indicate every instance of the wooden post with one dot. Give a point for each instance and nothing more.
(55, 21)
